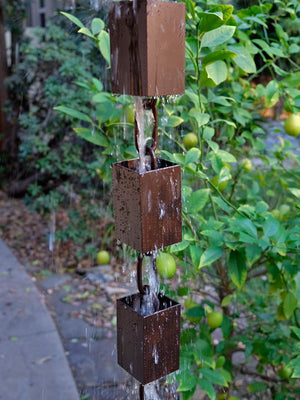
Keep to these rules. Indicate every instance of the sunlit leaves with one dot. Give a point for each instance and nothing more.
(243, 58)
(73, 113)
(217, 36)
(104, 45)
(210, 255)
(217, 71)
(74, 19)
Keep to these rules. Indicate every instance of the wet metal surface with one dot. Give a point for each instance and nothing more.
(148, 346)
(147, 47)
(147, 206)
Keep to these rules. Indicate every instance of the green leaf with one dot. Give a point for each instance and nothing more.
(246, 228)
(194, 313)
(217, 36)
(226, 10)
(98, 84)
(210, 255)
(85, 31)
(257, 387)
(289, 304)
(225, 121)
(296, 331)
(225, 156)
(272, 93)
(193, 97)
(92, 137)
(179, 246)
(257, 20)
(270, 226)
(209, 21)
(208, 388)
(201, 118)
(213, 376)
(173, 121)
(195, 253)
(237, 268)
(101, 97)
(97, 25)
(187, 382)
(217, 55)
(104, 46)
(215, 237)
(203, 349)
(243, 58)
(192, 155)
(75, 20)
(197, 200)
(217, 71)
(73, 113)
(295, 192)
(226, 300)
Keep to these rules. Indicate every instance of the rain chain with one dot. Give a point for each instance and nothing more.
(147, 60)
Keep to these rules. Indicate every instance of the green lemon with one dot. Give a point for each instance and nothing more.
(285, 372)
(246, 165)
(292, 125)
(220, 185)
(166, 266)
(214, 319)
(190, 140)
(103, 257)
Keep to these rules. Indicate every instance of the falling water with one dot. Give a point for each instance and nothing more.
(139, 116)
(52, 231)
(152, 391)
(144, 122)
(149, 304)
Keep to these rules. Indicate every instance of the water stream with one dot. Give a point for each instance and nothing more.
(144, 122)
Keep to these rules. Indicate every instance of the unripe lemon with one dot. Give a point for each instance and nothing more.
(166, 266)
(103, 257)
(292, 125)
(220, 185)
(246, 165)
(214, 319)
(285, 372)
(190, 140)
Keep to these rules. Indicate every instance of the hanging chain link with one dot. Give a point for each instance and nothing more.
(149, 104)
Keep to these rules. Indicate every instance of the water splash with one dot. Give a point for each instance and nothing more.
(52, 231)
(151, 391)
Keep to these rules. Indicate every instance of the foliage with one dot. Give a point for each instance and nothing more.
(241, 242)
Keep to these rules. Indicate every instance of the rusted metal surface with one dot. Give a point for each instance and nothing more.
(147, 39)
(147, 206)
(148, 346)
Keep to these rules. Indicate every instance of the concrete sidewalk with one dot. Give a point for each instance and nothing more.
(33, 365)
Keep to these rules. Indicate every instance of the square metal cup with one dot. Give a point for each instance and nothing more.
(148, 346)
(147, 39)
(147, 206)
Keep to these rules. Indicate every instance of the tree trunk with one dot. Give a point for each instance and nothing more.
(4, 126)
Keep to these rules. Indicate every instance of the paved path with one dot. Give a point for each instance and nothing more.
(33, 365)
